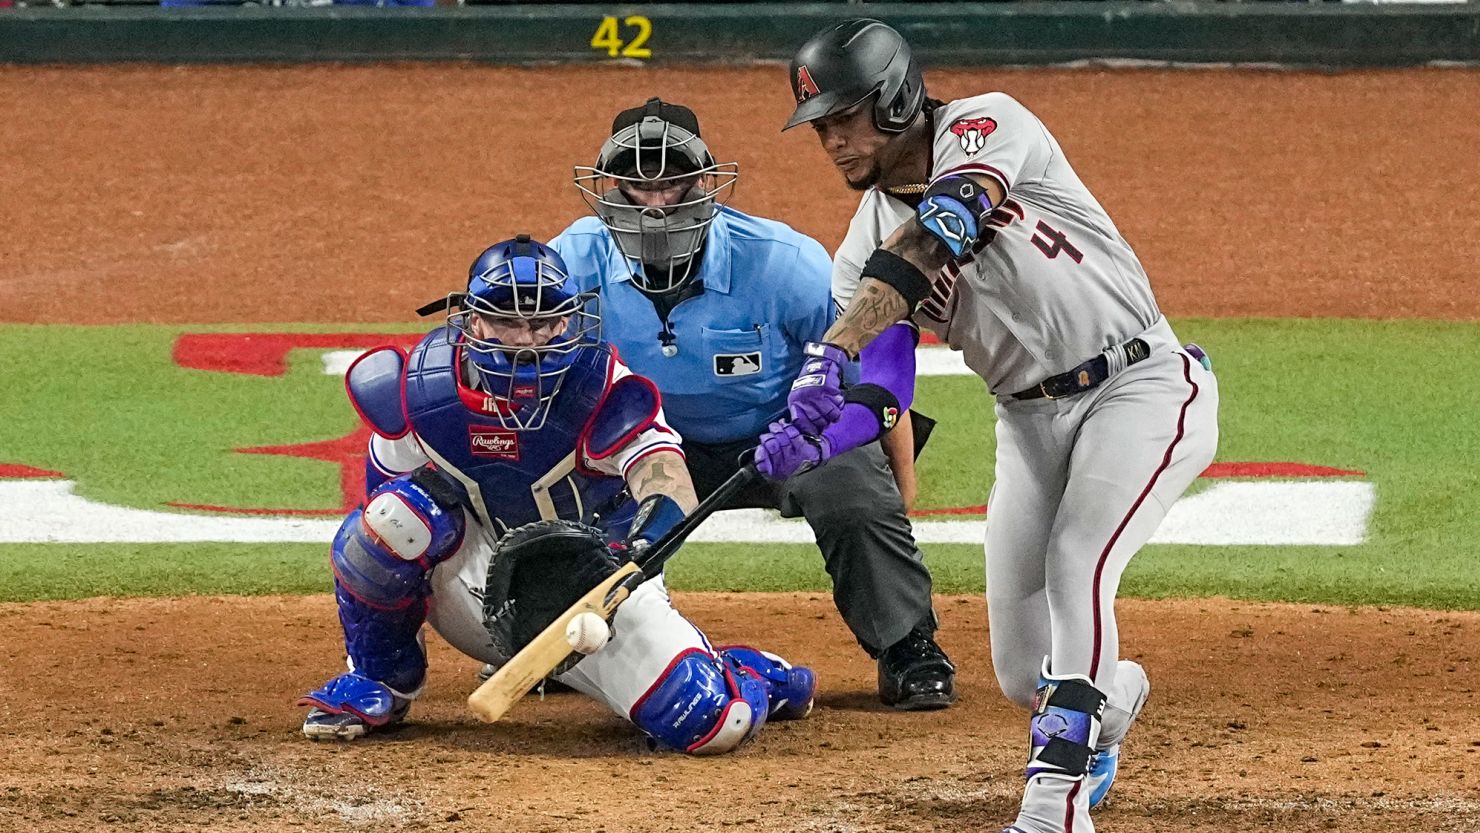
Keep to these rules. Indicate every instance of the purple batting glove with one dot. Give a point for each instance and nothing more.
(785, 451)
(816, 398)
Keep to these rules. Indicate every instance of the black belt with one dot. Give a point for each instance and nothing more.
(1086, 376)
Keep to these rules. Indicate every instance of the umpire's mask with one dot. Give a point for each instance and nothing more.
(656, 188)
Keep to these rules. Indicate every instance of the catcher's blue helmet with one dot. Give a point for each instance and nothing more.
(520, 323)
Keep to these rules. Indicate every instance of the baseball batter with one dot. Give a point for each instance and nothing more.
(514, 422)
(973, 225)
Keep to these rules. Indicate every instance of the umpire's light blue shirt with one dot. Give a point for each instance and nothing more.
(767, 292)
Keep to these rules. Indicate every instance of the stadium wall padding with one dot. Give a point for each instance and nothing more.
(960, 34)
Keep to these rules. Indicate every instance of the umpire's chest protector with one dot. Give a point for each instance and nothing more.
(512, 477)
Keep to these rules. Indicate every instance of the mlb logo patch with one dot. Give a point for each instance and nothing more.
(737, 364)
(494, 443)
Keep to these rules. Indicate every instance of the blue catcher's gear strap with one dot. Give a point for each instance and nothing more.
(1065, 725)
(955, 209)
(906, 279)
(700, 706)
(656, 516)
(373, 383)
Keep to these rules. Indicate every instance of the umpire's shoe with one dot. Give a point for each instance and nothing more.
(915, 674)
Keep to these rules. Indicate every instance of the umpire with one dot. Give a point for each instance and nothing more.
(715, 306)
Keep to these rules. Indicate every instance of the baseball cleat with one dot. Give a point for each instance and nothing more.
(794, 699)
(1104, 763)
(916, 675)
(791, 689)
(1102, 766)
(349, 706)
(324, 725)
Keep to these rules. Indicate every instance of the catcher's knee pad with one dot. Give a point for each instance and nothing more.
(1065, 725)
(790, 688)
(383, 552)
(701, 706)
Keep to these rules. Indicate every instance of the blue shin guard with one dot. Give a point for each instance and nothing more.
(703, 706)
(381, 557)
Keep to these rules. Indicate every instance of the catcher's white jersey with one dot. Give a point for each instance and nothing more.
(1050, 285)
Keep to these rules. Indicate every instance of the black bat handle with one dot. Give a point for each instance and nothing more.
(652, 559)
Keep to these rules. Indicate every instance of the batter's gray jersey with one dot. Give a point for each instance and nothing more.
(1050, 284)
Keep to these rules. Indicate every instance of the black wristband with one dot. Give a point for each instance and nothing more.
(886, 266)
(879, 401)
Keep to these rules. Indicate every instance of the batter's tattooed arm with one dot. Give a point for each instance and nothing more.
(913, 242)
(663, 473)
(877, 305)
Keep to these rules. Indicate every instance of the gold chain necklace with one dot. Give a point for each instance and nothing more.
(912, 188)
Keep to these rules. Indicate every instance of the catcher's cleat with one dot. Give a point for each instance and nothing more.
(349, 706)
(322, 725)
(791, 689)
(916, 675)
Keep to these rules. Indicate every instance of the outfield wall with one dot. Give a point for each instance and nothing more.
(1336, 35)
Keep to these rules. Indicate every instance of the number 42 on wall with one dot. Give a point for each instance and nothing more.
(609, 37)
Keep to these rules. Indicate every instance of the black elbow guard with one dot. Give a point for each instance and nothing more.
(879, 401)
(908, 281)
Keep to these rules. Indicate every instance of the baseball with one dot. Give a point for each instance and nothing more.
(587, 632)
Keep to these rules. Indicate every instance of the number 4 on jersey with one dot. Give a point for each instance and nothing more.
(1052, 241)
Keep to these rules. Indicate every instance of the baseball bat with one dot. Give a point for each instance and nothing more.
(493, 699)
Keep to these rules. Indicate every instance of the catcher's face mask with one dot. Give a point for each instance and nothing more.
(520, 323)
(656, 187)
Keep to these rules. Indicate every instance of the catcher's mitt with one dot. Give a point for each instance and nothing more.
(538, 571)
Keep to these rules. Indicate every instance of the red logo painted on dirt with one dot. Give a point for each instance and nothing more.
(806, 87)
(491, 442)
(973, 133)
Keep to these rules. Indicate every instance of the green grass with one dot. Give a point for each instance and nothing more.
(107, 406)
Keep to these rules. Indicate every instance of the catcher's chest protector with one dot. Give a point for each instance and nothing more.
(516, 477)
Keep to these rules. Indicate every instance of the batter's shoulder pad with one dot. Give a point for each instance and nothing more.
(536, 573)
(630, 407)
(374, 386)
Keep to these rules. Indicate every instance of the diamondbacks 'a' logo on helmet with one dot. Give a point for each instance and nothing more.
(973, 133)
(806, 87)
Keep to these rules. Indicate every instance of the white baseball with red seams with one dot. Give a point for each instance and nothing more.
(587, 633)
(1082, 481)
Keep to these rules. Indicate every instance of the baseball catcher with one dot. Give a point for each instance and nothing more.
(510, 451)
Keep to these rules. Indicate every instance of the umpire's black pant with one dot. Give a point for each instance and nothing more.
(880, 583)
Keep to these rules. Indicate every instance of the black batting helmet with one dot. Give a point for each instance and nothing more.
(842, 66)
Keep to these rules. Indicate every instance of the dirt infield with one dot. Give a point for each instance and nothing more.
(355, 194)
(205, 194)
(165, 715)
